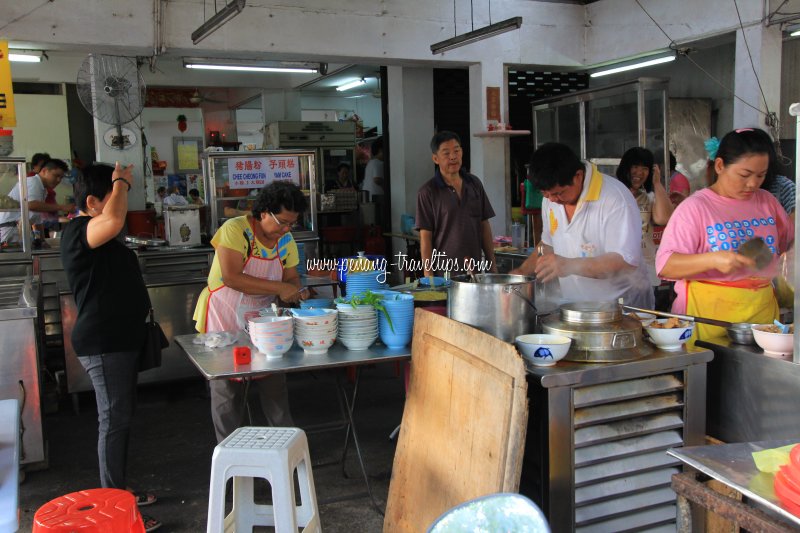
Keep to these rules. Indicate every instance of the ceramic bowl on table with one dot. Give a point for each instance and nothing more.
(315, 346)
(317, 303)
(777, 345)
(543, 350)
(269, 324)
(669, 338)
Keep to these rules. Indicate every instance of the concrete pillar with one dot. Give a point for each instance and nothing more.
(765, 49)
(280, 105)
(410, 131)
(490, 155)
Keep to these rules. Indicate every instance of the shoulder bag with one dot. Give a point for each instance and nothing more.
(154, 342)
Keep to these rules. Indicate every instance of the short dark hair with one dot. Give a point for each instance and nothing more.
(276, 197)
(39, 158)
(55, 164)
(95, 181)
(194, 192)
(750, 141)
(636, 156)
(341, 166)
(441, 138)
(554, 164)
(376, 146)
(161, 189)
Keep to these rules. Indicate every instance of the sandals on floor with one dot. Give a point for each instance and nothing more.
(144, 499)
(150, 523)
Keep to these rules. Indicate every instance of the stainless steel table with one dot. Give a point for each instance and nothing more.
(9, 465)
(217, 363)
(732, 465)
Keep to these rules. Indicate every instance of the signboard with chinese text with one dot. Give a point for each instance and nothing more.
(255, 172)
(8, 117)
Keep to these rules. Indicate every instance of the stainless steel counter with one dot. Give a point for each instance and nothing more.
(595, 453)
(19, 360)
(751, 397)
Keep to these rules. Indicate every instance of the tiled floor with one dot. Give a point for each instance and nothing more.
(173, 439)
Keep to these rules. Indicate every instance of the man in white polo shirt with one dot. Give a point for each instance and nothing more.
(592, 231)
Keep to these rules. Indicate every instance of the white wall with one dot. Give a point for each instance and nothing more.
(367, 107)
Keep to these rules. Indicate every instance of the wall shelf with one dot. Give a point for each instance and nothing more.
(502, 133)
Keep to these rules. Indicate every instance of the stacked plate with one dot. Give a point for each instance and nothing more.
(400, 308)
(315, 329)
(360, 282)
(358, 326)
(272, 335)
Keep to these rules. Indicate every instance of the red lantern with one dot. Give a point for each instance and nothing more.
(181, 123)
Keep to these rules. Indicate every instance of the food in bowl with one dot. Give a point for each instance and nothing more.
(669, 323)
(778, 345)
(669, 338)
(543, 350)
(772, 328)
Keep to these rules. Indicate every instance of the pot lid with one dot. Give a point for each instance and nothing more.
(591, 312)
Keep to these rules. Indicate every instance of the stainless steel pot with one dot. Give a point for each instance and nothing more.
(499, 304)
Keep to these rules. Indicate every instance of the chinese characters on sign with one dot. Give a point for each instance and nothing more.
(7, 115)
(254, 172)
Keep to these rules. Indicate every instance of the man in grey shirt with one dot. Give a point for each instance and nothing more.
(453, 214)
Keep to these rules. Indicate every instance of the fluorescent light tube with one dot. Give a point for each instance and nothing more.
(220, 17)
(478, 35)
(24, 58)
(632, 66)
(795, 33)
(243, 68)
(351, 84)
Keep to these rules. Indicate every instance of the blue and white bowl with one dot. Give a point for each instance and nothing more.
(543, 350)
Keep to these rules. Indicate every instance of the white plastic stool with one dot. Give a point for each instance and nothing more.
(269, 453)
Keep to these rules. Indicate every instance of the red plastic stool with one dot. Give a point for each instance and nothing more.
(90, 511)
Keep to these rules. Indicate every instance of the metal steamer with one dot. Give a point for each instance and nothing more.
(599, 331)
(499, 304)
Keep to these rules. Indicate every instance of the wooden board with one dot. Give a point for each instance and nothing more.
(463, 429)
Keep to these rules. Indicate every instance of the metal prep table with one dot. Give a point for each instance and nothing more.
(217, 363)
(595, 453)
(732, 465)
(9, 466)
(751, 397)
(19, 360)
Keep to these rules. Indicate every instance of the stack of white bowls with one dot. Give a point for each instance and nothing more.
(315, 329)
(272, 335)
(358, 326)
(359, 282)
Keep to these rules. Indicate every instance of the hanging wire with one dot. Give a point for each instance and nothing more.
(455, 29)
(472, 14)
(12, 21)
(750, 56)
(490, 12)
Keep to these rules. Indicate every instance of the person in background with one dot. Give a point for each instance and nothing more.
(343, 178)
(175, 198)
(700, 243)
(373, 175)
(37, 161)
(108, 336)
(679, 187)
(50, 175)
(453, 212)
(637, 171)
(255, 263)
(592, 231)
(194, 197)
(779, 185)
(161, 193)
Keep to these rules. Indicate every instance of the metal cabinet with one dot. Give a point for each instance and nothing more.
(605, 122)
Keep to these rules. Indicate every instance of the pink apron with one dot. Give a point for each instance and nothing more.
(224, 302)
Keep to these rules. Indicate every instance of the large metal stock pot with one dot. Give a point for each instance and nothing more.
(499, 304)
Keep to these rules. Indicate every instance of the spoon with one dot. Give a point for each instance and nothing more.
(784, 327)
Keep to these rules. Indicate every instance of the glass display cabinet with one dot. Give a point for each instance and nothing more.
(603, 123)
(16, 239)
(235, 178)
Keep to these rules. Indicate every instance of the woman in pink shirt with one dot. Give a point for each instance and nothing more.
(700, 242)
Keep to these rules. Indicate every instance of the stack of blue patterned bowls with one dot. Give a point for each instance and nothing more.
(400, 308)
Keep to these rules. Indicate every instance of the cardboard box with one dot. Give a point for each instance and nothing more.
(182, 225)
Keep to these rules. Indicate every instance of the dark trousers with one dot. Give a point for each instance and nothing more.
(114, 378)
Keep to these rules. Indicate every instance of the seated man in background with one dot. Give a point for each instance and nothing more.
(174, 198)
(49, 176)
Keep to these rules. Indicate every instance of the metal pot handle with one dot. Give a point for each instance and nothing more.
(510, 288)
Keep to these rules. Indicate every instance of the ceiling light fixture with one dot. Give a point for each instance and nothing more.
(478, 35)
(793, 30)
(244, 65)
(633, 64)
(220, 17)
(351, 84)
(24, 57)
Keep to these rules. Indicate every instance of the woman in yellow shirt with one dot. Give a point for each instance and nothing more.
(255, 262)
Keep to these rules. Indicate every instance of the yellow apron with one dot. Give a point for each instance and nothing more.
(750, 300)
